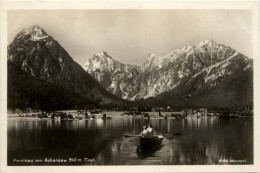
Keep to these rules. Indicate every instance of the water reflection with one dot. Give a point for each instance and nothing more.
(149, 152)
(202, 141)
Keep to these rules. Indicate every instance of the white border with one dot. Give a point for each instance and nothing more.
(5, 6)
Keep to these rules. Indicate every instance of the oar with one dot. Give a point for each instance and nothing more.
(167, 136)
(179, 133)
(130, 139)
(129, 135)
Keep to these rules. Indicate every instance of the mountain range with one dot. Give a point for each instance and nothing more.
(207, 75)
(193, 75)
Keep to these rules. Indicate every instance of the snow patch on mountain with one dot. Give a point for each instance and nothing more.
(37, 38)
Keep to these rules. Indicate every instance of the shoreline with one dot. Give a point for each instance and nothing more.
(29, 118)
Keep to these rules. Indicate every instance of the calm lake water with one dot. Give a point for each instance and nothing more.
(102, 142)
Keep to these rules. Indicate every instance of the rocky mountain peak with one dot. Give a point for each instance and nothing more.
(102, 55)
(151, 56)
(186, 48)
(100, 60)
(34, 33)
(210, 44)
(207, 42)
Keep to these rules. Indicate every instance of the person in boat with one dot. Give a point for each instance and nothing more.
(144, 132)
(150, 130)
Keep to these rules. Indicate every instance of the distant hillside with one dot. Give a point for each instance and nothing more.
(235, 92)
(27, 91)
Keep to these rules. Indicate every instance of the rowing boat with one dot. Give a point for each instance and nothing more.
(148, 143)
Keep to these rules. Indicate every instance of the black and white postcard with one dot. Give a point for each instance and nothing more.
(140, 86)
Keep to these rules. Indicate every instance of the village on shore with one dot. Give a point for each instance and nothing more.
(155, 113)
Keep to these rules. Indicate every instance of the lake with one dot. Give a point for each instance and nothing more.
(203, 141)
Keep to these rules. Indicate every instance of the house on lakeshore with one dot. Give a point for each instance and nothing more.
(195, 113)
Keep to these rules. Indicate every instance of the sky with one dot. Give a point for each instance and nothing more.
(130, 35)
